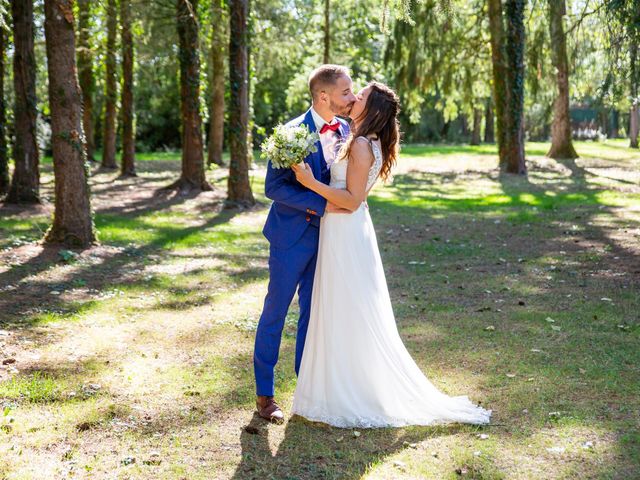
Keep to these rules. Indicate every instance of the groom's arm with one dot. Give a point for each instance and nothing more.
(281, 186)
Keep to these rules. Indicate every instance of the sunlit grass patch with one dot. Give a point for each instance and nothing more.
(57, 385)
(15, 232)
(73, 311)
(37, 388)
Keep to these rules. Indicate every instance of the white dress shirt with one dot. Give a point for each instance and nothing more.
(329, 139)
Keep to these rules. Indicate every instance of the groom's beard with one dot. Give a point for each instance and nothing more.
(341, 111)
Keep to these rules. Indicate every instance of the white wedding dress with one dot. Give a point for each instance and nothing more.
(355, 370)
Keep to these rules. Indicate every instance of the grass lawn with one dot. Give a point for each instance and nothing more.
(133, 359)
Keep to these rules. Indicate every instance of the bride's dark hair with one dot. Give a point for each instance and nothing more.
(380, 116)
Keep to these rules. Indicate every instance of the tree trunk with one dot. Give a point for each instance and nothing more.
(4, 159)
(85, 74)
(111, 87)
(515, 160)
(193, 171)
(128, 167)
(218, 51)
(72, 220)
(488, 123)
(507, 54)
(327, 31)
(444, 131)
(614, 124)
(25, 184)
(633, 125)
(477, 121)
(500, 87)
(561, 144)
(634, 74)
(250, 92)
(464, 125)
(239, 188)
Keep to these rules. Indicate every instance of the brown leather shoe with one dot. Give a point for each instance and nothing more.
(269, 409)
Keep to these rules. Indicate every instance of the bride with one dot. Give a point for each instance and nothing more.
(355, 370)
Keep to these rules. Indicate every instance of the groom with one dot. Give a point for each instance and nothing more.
(292, 229)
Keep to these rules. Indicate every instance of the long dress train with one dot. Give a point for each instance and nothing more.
(355, 370)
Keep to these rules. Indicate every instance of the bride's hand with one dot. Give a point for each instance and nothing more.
(304, 174)
(333, 208)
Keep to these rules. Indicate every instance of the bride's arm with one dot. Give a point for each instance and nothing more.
(360, 161)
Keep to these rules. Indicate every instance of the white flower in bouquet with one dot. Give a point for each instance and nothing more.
(288, 146)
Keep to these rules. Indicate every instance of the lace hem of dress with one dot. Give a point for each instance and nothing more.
(476, 415)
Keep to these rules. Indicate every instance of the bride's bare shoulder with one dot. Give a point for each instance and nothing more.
(361, 151)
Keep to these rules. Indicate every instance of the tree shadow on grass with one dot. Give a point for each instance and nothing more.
(133, 210)
(583, 206)
(114, 266)
(297, 456)
(531, 220)
(313, 451)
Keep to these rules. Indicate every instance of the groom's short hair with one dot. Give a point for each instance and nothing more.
(325, 75)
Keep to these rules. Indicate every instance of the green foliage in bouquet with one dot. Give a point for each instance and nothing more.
(289, 145)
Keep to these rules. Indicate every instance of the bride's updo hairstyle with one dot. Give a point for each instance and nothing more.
(381, 118)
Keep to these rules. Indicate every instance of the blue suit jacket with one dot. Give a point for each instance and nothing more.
(294, 206)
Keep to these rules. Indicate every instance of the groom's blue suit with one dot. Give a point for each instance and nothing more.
(292, 231)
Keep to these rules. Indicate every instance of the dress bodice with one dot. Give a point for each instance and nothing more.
(339, 168)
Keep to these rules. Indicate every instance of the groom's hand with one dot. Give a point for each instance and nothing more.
(333, 208)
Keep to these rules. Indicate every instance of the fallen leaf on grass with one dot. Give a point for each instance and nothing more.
(84, 426)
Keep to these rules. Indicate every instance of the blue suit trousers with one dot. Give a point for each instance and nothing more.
(289, 269)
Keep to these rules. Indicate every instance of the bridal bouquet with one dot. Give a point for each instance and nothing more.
(288, 146)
